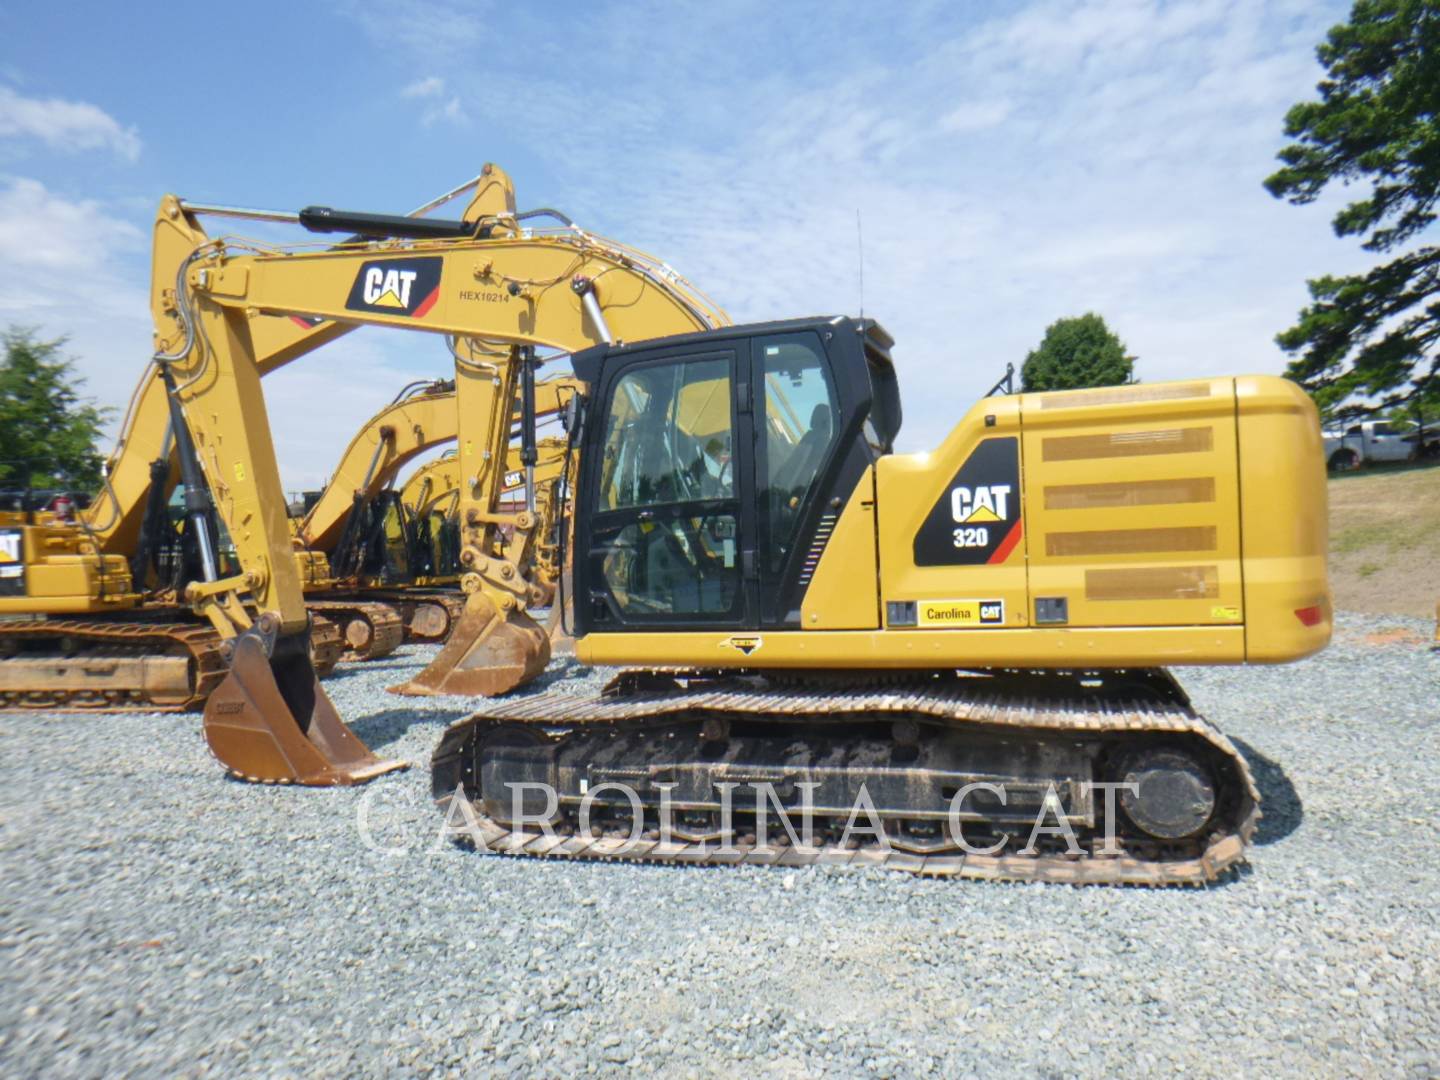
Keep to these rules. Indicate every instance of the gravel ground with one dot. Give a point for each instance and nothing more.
(155, 917)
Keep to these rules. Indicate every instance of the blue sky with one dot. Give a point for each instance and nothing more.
(1012, 164)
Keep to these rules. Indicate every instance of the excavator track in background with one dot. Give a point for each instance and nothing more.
(914, 740)
(131, 666)
(327, 645)
(428, 617)
(368, 630)
(136, 665)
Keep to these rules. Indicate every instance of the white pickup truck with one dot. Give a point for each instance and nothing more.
(1362, 444)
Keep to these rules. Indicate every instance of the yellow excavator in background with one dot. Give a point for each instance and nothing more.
(354, 540)
(105, 593)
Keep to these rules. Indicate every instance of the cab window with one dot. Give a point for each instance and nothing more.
(668, 436)
(798, 428)
(667, 526)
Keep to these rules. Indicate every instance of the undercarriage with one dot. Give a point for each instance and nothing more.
(1014, 776)
(132, 663)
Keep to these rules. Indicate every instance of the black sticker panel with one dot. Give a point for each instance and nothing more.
(397, 286)
(977, 517)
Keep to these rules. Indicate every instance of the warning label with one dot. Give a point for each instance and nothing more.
(962, 613)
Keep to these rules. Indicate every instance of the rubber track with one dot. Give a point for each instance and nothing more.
(201, 642)
(956, 704)
(387, 629)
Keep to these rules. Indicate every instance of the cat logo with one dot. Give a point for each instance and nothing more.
(986, 503)
(397, 286)
(976, 519)
(745, 645)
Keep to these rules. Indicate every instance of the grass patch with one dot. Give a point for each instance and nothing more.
(1385, 540)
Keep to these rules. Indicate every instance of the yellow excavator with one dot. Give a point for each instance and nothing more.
(959, 643)
(960, 649)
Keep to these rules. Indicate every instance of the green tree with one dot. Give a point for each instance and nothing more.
(48, 433)
(1076, 353)
(1368, 341)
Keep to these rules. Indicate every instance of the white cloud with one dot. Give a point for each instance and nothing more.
(431, 28)
(975, 116)
(41, 231)
(430, 86)
(441, 106)
(1124, 144)
(451, 111)
(65, 125)
(76, 270)
(1121, 174)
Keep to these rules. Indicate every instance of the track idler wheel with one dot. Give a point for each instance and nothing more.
(489, 652)
(271, 722)
(1173, 795)
(429, 621)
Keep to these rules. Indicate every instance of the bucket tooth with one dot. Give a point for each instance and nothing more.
(488, 653)
(271, 722)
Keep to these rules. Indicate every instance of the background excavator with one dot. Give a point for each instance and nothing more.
(431, 494)
(109, 588)
(360, 541)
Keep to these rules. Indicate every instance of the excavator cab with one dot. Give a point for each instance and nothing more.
(706, 461)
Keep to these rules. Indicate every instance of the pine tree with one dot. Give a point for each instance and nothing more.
(1372, 341)
(1076, 353)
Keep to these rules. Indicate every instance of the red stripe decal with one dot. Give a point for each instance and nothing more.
(300, 320)
(427, 303)
(1008, 544)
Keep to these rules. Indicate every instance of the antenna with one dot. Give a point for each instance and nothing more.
(860, 240)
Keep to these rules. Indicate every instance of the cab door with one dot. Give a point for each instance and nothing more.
(669, 534)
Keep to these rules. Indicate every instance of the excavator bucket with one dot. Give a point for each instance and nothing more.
(487, 653)
(270, 721)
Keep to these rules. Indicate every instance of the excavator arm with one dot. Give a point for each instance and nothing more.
(407, 427)
(433, 484)
(499, 292)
